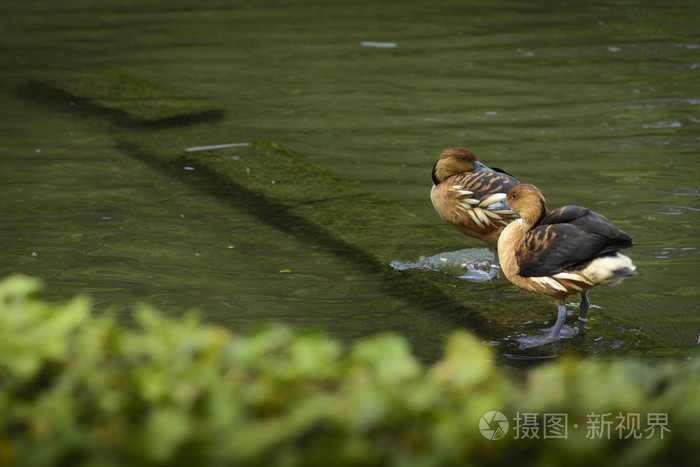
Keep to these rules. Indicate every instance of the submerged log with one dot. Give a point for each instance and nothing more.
(126, 99)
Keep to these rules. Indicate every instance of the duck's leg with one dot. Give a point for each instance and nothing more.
(556, 329)
(583, 317)
(495, 265)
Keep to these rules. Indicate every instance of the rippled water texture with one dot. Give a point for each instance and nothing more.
(596, 103)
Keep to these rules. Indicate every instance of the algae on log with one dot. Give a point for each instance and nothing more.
(380, 229)
(131, 101)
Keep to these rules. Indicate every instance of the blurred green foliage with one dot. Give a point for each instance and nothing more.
(81, 390)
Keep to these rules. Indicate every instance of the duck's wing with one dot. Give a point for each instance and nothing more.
(590, 222)
(484, 183)
(496, 169)
(476, 191)
(551, 249)
(462, 201)
(565, 214)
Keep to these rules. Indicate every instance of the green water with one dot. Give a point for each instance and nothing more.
(596, 103)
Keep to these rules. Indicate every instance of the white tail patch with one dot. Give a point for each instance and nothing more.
(609, 270)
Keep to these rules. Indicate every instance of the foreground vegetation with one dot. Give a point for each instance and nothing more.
(78, 389)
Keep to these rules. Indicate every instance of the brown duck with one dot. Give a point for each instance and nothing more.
(560, 253)
(463, 188)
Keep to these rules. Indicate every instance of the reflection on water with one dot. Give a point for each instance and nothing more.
(596, 105)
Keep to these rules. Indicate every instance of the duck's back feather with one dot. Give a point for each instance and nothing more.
(585, 219)
(486, 183)
(496, 169)
(568, 239)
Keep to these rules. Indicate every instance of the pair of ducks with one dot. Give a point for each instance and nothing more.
(557, 253)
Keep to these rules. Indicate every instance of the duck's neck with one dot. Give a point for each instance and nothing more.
(508, 241)
(514, 232)
(535, 214)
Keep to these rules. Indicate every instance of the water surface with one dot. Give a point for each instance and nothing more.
(595, 103)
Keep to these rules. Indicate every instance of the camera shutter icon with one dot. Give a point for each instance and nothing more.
(493, 425)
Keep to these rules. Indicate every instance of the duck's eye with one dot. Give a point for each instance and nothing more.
(513, 195)
(464, 159)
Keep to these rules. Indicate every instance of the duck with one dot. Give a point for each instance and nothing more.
(560, 253)
(463, 188)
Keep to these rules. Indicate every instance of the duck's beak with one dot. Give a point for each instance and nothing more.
(500, 206)
(479, 167)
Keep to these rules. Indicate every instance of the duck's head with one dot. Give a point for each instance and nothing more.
(455, 161)
(526, 200)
